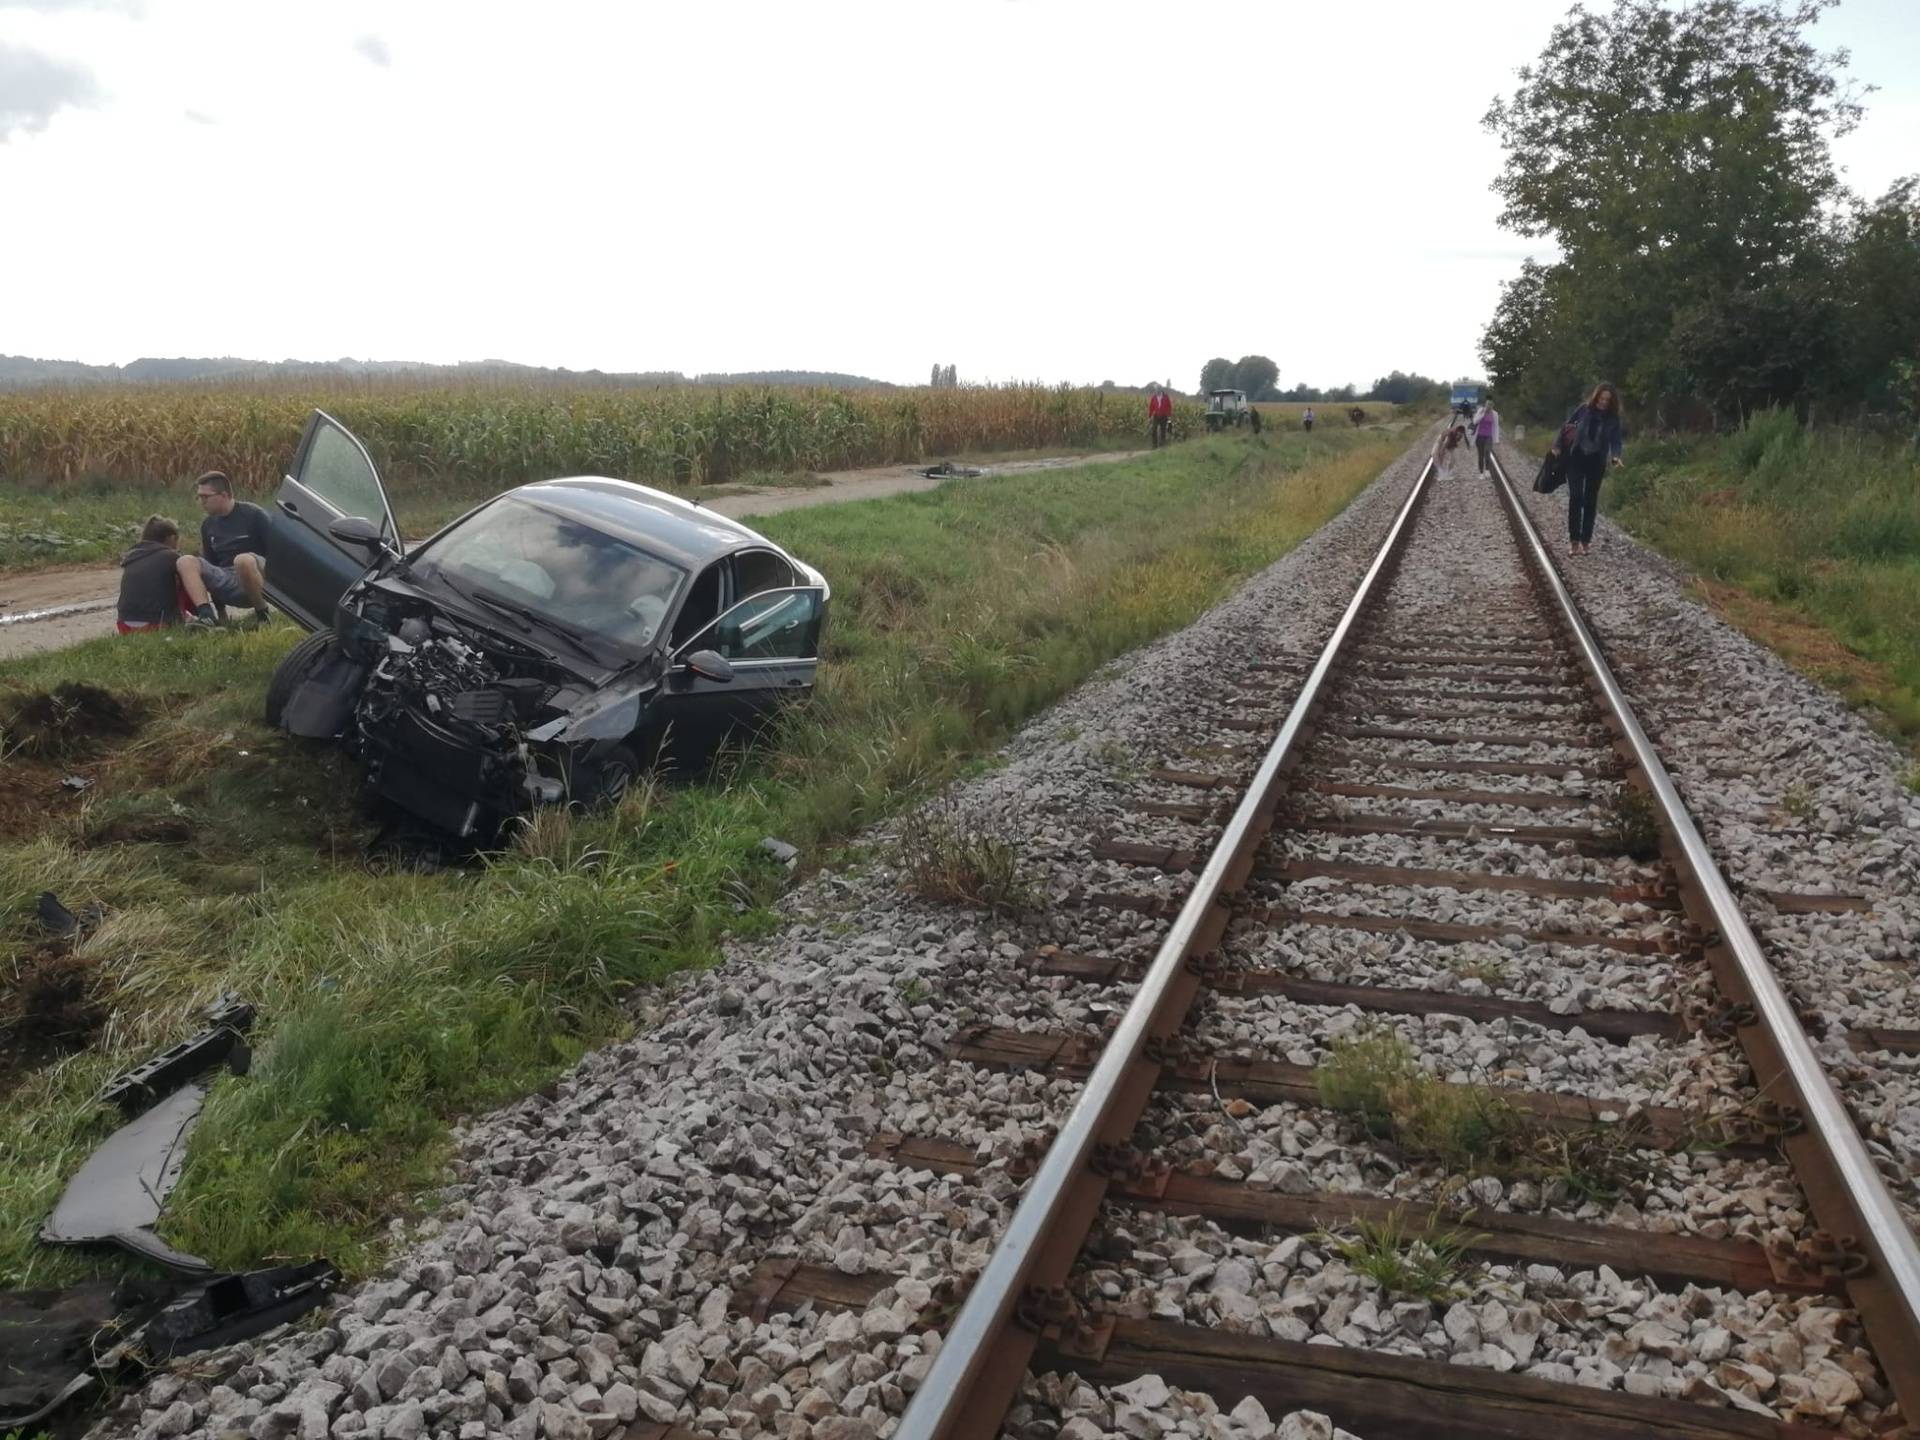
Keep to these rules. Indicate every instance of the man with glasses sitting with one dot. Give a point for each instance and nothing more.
(233, 547)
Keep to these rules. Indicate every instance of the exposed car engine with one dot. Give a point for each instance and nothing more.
(442, 727)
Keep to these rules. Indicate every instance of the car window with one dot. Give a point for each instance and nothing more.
(757, 570)
(703, 604)
(773, 625)
(584, 578)
(335, 469)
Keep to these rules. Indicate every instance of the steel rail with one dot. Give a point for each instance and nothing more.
(1869, 1204)
(945, 1395)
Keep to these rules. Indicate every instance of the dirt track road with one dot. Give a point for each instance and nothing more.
(82, 598)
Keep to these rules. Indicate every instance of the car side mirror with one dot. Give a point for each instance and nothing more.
(357, 530)
(709, 665)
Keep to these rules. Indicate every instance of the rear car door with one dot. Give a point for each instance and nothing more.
(332, 477)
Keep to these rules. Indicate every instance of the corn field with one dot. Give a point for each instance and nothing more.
(500, 435)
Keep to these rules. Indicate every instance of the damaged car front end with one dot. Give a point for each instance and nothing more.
(537, 649)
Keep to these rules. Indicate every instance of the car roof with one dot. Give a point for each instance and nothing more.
(664, 525)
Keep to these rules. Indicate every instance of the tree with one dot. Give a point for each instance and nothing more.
(935, 382)
(1699, 134)
(1256, 375)
(1680, 158)
(1878, 290)
(1216, 374)
(952, 377)
(1400, 388)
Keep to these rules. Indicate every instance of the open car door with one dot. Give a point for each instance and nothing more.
(332, 478)
(770, 640)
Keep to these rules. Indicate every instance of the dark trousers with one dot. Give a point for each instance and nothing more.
(1483, 444)
(1584, 474)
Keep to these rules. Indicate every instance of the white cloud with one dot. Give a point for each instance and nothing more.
(35, 87)
(374, 49)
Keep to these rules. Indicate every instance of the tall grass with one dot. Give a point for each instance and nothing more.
(499, 435)
(1820, 523)
(392, 1002)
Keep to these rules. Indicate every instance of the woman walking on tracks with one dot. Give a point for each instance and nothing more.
(1486, 432)
(1588, 443)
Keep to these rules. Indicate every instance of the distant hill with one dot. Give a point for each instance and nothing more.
(20, 372)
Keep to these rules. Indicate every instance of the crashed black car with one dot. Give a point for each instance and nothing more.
(534, 651)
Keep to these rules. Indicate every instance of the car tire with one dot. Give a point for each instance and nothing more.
(299, 664)
(603, 782)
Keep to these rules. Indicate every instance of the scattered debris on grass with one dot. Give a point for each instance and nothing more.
(221, 1042)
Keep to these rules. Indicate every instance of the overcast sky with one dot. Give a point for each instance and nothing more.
(1031, 189)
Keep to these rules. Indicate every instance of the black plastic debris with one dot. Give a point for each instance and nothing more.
(46, 1348)
(117, 1196)
(229, 1308)
(222, 1042)
(55, 918)
(947, 470)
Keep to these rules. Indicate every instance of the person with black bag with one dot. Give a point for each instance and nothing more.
(1589, 442)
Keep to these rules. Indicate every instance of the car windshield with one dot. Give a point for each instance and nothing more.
(585, 579)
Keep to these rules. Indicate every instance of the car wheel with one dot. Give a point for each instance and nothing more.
(603, 782)
(300, 663)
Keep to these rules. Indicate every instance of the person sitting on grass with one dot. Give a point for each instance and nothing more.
(153, 582)
(232, 565)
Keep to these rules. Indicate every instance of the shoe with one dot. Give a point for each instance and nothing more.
(260, 617)
(200, 622)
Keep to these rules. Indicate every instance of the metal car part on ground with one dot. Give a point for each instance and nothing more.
(535, 650)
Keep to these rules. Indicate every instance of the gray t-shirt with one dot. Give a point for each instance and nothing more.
(242, 530)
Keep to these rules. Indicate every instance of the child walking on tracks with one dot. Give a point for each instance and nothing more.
(1447, 449)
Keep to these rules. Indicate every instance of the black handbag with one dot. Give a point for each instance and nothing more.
(1553, 474)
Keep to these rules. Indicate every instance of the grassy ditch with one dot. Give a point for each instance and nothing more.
(1807, 540)
(227, 858)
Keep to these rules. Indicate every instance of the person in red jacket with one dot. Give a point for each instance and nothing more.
(1159, 414)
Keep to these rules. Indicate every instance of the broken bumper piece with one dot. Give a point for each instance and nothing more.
(117, 1196)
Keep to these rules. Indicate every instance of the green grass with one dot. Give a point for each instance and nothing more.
(1807, 539)
(1428, 1263)
(230, 858)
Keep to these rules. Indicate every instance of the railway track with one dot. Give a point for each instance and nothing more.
(1457, 793)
